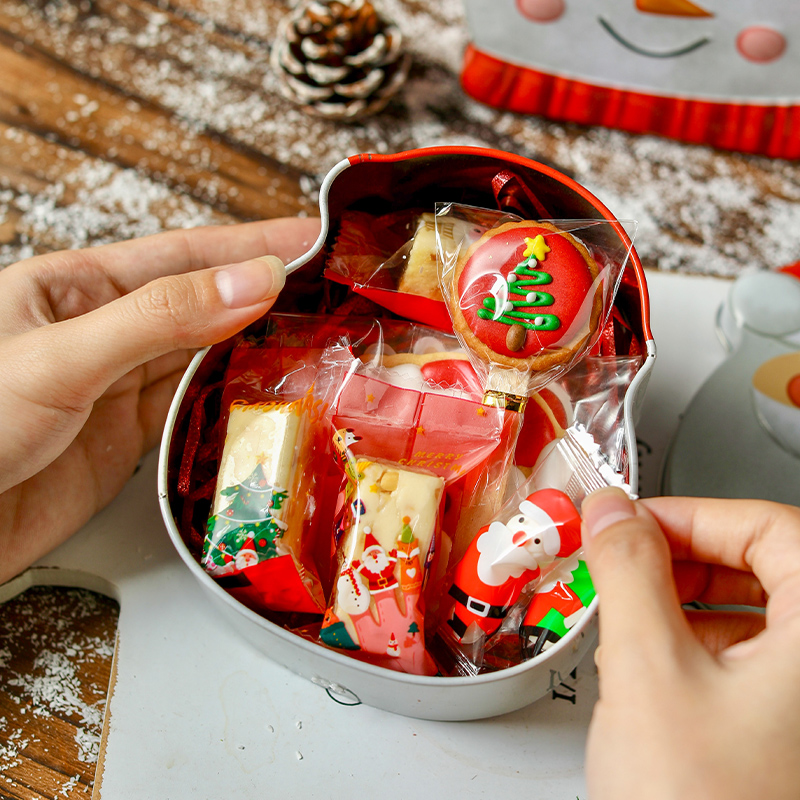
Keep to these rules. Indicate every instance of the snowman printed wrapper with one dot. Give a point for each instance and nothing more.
(388, 528)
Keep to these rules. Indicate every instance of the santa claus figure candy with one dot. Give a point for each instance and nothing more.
(556, 607)
(506, 556)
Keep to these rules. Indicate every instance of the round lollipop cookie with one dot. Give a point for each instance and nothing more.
(524, 296)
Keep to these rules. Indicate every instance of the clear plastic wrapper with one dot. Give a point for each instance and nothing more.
(528, 298)
(591, 395)
(262, 540)
(522, 584)
(255, 543)
(358, 463)
(406, 422)
(392, 260)
(388, 528)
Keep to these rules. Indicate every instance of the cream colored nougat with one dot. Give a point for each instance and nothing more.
(391, 495)
(421, 275)
(274, 435)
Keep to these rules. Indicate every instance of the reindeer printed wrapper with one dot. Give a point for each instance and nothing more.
(388, 526)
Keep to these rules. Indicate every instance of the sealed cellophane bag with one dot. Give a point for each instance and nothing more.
(528, 298)
(522, 583)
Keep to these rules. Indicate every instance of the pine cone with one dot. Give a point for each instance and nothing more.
(338, 58)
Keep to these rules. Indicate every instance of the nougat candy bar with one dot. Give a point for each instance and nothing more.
(259, 503)
(388, 530)
(421, 274)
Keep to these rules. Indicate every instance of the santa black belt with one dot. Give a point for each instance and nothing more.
(479, 607)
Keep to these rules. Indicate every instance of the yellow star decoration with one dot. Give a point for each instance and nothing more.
(374, 488)
(536, 247)
(420, 431)
(370, 398)
(481, 412)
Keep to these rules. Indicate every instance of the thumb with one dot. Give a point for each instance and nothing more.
(73, 362)
(642, 625)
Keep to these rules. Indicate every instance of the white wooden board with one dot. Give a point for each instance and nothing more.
(196, 712)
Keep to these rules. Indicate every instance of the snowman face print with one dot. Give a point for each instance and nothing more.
(745, 51)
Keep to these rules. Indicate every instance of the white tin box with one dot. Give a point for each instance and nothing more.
(420, 177)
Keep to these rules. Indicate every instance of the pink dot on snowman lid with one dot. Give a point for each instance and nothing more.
(760, 44)
(541, 10)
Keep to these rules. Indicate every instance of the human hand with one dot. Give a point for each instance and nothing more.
(699, 704)
(92, 346)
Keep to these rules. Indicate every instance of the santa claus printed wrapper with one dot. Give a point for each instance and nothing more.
(522, 584)
(408, 425)
(419, 404)
(388, 528)
(528, 298)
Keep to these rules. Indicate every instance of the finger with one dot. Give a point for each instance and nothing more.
(71, 363)
(747, 535)
(136, 262)
(717, 585)
(719, 630)
(159, 368)
(642, 626)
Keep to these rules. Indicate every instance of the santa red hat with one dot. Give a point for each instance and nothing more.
(371, 543)
(560, 521)
(247, 555)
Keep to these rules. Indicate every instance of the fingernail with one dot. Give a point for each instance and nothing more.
(250, 282)
(605, 507)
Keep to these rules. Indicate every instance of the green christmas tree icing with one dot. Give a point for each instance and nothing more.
(518, 284)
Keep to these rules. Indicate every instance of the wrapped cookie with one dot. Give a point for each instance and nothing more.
(528, 298)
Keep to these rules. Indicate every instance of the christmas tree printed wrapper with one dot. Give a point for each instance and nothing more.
(388, 531)
(258, 515)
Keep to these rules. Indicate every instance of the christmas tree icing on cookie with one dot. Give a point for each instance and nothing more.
(513, 302)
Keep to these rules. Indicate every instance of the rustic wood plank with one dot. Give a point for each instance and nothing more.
(52, 100)
(54, 197)
(56, 648)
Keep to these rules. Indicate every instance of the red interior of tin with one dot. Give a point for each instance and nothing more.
(379, 184)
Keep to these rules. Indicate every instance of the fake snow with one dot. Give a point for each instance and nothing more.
(54, 685)
(699, 210)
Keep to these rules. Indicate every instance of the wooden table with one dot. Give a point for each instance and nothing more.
(119, 119)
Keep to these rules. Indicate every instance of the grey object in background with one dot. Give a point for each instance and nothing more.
(722, 447)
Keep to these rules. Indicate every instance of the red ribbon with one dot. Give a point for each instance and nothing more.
(511, 192)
